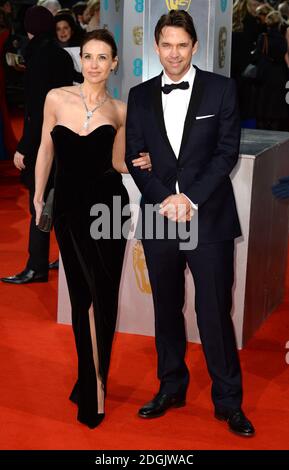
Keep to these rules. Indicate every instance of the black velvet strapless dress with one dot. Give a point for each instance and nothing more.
(85, 177)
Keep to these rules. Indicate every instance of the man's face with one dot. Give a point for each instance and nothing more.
(175, 50)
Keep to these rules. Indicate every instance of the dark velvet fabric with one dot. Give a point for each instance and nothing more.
(84, 177)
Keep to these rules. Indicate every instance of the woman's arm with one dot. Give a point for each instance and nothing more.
(118, 153)
(46, 151)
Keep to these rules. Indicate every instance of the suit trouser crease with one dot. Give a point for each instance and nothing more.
(211, 266)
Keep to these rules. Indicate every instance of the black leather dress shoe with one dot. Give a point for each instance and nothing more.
(26, 276)
(160, 404)
(54, 265)
(237, 421)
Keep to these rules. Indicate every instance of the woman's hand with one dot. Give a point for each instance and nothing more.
(38, 205)
(19, 161)
(144, 161)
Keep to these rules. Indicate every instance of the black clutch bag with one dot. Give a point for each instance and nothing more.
(46, 218)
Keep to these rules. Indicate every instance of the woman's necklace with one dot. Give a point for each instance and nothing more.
(89, 113)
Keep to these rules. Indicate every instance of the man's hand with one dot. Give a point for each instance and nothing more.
(144, 161)
(18, 161)
(177, 208)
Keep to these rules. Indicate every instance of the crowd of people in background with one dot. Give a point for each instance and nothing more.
(260, 61)
(260, 40)
(72, 20)
(47, 49)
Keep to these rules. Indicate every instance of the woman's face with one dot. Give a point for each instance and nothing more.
(63, 31)
(252, 6)
(7, 7)
(97, 61)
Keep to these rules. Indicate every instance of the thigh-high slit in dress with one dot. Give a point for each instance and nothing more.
(85, 177)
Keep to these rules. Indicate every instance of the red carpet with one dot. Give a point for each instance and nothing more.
(38, 367)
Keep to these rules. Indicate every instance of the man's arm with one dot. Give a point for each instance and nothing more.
(148, 183)
(226, 153)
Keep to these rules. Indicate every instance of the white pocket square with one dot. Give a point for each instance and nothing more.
(205, 117)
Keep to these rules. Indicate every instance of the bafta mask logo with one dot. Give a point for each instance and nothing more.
(222, 46)
(140, 268)
(178, 4)
(138, 35)
(117, 5)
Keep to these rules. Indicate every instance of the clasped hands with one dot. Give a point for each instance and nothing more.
(177, 208)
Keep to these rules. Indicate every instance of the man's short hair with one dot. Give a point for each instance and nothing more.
(178, 19)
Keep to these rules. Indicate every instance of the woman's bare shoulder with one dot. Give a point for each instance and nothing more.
(69, 89)
(120, 108)
(120, 105)
(59, 96)
(62, 92)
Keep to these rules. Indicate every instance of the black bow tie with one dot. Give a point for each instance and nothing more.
(174, 86)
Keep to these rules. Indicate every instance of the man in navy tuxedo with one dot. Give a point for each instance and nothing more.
(188, 120)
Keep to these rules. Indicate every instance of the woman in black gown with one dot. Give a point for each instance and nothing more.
(85, 129)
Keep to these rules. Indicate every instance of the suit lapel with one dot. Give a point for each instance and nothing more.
(158, 107)
(195, 101)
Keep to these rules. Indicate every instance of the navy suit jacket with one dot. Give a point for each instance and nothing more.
(209, 151)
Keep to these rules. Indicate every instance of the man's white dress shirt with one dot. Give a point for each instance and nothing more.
(175, 108)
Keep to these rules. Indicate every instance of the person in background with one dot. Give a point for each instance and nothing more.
(261, 12)
(78, 10)
(91, 15)
(8, 138)
(68, 33)
(284, 10)
(47, 66)
(271, 107)
(246, 29)
(52, 5)
(6, 6)
(245, 19)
